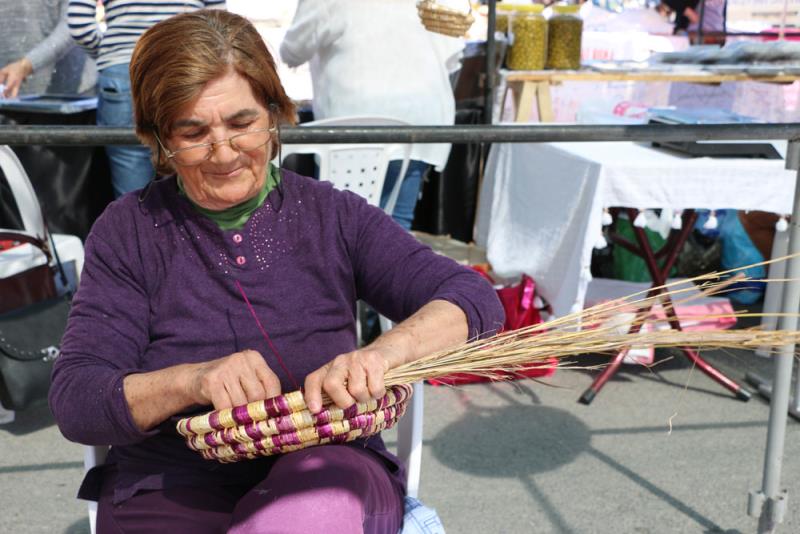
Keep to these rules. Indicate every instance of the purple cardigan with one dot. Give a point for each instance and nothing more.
(159, 289)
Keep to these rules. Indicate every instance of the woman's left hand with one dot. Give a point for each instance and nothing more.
(349, 378)
(358, 376)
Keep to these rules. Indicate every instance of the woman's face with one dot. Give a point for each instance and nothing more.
(225, 107)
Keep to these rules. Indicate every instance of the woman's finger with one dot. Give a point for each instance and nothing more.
(252, 387)
(235, 391)
(313, 389)
(335, 385)
(375, 383)
(357, 382)
(269, 381)
(220, 399)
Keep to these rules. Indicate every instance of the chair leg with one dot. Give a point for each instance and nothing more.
(409, 440)
(386, 324)
(93, 456)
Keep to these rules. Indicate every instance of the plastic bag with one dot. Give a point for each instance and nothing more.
(519, 304)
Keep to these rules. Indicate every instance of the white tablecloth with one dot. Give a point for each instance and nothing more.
(541, 205)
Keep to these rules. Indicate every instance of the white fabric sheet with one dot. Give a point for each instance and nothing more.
(541, 205)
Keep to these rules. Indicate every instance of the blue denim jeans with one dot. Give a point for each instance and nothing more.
(403, 211)
(131, 168)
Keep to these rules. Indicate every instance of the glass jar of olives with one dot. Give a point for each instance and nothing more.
(565, 28)
(527, 38)
(504, 14)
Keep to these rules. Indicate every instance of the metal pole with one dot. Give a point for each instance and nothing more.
(488, 105)
(769, 504)
(535, 133)
(700, 23)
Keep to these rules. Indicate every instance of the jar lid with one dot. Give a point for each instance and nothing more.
(563, 9)
(529, 8)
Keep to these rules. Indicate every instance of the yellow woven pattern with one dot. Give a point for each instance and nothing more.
(245, 432)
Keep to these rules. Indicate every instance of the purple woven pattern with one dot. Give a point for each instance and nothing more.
(285, 409)
(287, 425)
(291, 431)
(242, 415)
(293, 442)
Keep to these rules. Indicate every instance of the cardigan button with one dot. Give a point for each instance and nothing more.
(241, 260)
(237, 238)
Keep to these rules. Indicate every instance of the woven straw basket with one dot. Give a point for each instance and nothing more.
(443, 19)
(284, 424)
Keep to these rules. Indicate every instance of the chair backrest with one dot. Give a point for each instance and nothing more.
(361, 167)
(68, 247)
(23, 193)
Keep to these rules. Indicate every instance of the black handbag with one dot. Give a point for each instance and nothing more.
(30, 333)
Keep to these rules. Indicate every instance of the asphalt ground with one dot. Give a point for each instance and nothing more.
(523, 456)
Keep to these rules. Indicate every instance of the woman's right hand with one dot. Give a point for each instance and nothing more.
(12, 76)
(234, 380)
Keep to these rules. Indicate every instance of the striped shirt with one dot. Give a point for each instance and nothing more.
(126, 21)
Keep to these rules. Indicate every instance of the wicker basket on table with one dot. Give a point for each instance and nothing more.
(446, 20)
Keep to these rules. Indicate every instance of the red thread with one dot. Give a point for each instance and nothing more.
(266, 336)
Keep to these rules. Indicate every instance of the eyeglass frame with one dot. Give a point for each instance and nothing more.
(171, 154)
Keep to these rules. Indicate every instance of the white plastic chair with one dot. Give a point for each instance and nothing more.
(361, 167)
(13, 261)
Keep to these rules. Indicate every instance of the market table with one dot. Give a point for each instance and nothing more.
(529, 88)
(541, 211)
(541, 204)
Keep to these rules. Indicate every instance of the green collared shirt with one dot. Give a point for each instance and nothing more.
(237, 216)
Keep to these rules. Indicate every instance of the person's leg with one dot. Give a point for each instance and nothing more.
(131, 168)
(190, 510)
(403, 211)
(327, 489)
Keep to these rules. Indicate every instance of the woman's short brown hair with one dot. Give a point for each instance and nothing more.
(177, 57)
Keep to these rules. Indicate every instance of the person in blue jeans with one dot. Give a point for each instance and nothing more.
(126, 21)
(403, 212)
(130, 165)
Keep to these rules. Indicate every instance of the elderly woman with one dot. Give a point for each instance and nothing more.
(231, 281)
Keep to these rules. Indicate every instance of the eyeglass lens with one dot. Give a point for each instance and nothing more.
(243, 142)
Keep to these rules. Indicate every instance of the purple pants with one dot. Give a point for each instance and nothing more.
(334, 488)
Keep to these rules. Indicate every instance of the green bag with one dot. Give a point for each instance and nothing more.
(629, 266)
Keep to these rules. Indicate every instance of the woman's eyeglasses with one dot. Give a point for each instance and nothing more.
(197, 154)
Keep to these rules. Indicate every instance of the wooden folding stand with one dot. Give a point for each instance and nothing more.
(669, 253)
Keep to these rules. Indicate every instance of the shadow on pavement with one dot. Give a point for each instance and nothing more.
(30, 420)
(545, 438)
(78, 527)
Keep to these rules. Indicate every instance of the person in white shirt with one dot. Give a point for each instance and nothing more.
(374, 57)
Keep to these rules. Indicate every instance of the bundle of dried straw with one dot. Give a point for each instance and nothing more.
(592, 330)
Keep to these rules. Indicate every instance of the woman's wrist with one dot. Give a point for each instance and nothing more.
(396, 346)
(157, 395)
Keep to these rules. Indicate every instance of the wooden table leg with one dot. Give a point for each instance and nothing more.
(543, 102)
(524, 94)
